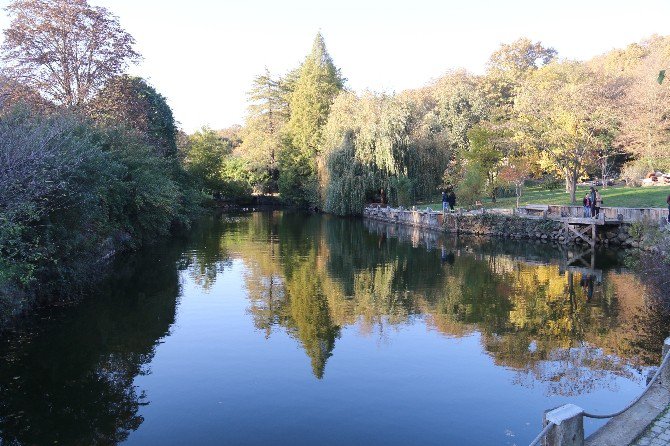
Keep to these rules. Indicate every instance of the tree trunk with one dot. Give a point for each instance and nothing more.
(518, 194)
(573, 189)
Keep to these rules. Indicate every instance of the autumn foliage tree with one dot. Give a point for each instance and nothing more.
(65, 49)
(515, 171)
(564, 115)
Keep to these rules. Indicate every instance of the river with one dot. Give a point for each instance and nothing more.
(295, 329)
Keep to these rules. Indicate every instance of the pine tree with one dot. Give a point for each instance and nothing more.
(268, 114)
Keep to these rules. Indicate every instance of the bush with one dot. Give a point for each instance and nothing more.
(551, 182)
(71, 194)
(402, 189)
(471, 187)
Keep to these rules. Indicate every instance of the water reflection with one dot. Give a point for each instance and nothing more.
(562, 325)
(69, 377)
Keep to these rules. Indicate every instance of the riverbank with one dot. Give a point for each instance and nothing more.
(631, 228)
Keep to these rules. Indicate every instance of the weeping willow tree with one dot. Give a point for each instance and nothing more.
(348, 182)
(403, 144)
(365, 149)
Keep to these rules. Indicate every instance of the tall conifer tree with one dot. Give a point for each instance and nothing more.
(317, 85)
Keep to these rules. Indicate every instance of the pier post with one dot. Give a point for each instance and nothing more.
(594, 234)
(568, 427)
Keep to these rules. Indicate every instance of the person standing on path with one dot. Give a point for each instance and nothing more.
(667, 200)
(592, 198)
(451, 199)
(599, 202)
(445, 201)
(586, 202)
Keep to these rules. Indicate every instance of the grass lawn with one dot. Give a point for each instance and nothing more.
(620, 196)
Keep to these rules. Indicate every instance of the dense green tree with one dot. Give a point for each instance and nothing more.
(268, 113)
(317, 84)
(509, 66)
(131, 101)
(72, 193)
(205, 154)
(460, 104)
(209, 157)
(484, 155)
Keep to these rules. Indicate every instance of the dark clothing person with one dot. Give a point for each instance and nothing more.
(668, 202)
(451, 198)
(592, 197)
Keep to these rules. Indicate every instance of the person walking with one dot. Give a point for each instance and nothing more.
(599, 202)
(451, 199)
(592, 199)
(667, 200)
(445, 201)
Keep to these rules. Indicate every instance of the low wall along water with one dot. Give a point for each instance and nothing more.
(615, 227)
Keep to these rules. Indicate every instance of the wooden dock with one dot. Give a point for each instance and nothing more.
(585, 228)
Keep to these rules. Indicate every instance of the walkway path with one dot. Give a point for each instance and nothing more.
(658, 434)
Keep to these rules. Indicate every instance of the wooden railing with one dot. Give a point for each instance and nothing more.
(625, 215)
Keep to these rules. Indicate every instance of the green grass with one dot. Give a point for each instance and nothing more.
(620, 196)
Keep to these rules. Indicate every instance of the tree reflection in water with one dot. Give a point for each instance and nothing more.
(67, 377)
(311, 275)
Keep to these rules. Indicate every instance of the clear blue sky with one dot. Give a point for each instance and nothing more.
(203, 54)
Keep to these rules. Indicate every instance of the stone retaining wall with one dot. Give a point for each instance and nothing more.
(501, 225)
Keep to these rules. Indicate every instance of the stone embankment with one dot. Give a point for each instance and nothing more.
(504, 223)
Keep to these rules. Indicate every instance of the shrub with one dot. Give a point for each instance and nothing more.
(470, 189)
(71, 193)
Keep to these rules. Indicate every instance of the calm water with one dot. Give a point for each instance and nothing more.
(298, 330)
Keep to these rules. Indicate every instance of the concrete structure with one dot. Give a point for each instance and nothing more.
(568, 430)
